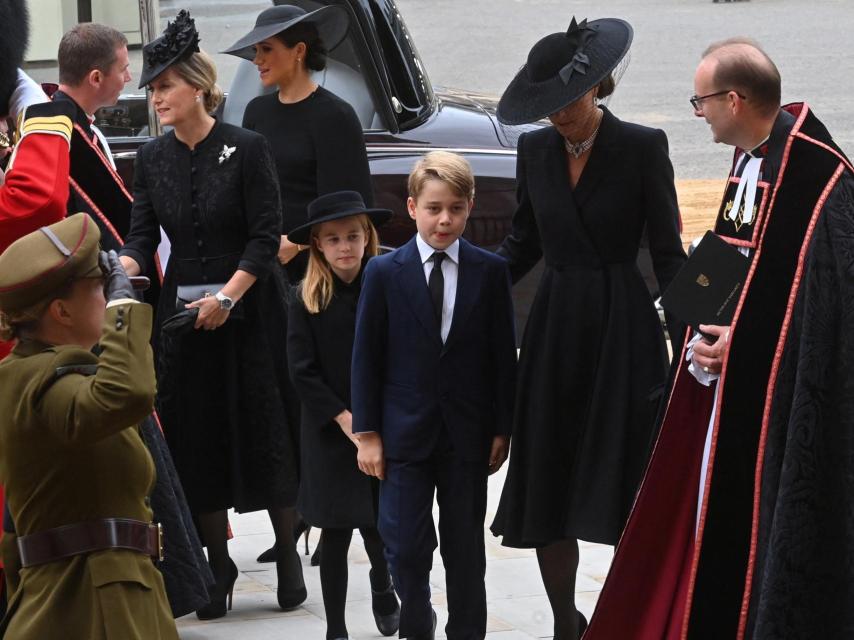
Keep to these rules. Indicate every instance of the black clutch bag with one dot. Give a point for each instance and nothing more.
(188, 293)
(708, 286)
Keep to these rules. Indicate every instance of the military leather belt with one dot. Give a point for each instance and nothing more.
(87, 537)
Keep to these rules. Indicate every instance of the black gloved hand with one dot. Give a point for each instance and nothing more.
(118, 284)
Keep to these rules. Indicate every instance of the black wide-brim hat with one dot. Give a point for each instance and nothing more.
(13, 44)
(178, 42)
(331, 23)
(562, 67)
(334, 206)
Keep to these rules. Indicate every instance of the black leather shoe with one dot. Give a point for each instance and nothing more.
(386, 609)
(301, 529)
(220, 596)
(290, 591)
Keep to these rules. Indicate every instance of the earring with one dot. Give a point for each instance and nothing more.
(198, 98)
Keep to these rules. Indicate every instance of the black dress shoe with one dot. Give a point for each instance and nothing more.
(301, 529)
(220, 596)
(290, 591)
(386, 609)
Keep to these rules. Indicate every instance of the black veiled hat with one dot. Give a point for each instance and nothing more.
(179, 41)
(562, 67)
(13, 44)
(334, 206)
(331, 23)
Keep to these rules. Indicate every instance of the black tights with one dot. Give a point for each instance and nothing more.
(284, 520)
(214, 529)
(558, 565)
(333, 573)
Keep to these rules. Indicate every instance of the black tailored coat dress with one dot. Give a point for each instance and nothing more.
(222, 394)
(333, 492)
(593, 362)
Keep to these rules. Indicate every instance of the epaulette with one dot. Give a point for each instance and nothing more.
(54, 118)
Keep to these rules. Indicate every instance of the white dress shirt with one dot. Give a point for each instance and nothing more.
(450, 270)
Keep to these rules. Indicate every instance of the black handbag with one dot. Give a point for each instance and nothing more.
(188, 293)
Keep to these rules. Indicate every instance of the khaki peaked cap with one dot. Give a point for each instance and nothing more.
(35, 266)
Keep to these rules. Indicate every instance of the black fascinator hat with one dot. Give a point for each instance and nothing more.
(13, 44)
(179, 41)
(562, 67)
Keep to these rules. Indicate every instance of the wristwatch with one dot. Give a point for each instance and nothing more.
(224, 301)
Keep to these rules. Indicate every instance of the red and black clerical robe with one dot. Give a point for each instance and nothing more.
(770, 555)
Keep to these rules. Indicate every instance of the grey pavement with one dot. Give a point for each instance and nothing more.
(517, 604)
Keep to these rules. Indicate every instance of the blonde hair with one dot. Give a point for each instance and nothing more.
(199, 71)
(450, 168)
(316, 288)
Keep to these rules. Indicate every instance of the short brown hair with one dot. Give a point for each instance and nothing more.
(85, 47)
(450, 168)
(744, 67)
(199, 71)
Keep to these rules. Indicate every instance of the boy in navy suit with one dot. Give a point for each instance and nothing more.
(433, 384)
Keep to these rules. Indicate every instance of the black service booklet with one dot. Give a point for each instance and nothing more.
(708, 286)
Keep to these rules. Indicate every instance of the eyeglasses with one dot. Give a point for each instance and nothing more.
(697, 101)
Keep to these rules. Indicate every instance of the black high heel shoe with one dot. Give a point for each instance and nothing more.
(221, 596)
(386, 609)
(302, 529)
(290, 591)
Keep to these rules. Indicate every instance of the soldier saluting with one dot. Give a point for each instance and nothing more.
(72, 432)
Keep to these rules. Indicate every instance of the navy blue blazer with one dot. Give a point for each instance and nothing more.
(406, 384)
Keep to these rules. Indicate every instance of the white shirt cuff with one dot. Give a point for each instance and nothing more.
(703, 377)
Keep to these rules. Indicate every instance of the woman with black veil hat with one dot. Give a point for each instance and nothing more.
(316, 137)
(593, 361)
(222, 377)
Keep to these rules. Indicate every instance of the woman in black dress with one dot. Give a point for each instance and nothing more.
(593, 362)
(333, 493)
(316, 137)
(222, 312)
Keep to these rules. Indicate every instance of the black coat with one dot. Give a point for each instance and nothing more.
(593, 361)
(223, 395)
(333, 492)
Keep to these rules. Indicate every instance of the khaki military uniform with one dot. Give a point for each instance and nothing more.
(70, 452)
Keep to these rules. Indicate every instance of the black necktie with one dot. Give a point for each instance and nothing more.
(436, 283)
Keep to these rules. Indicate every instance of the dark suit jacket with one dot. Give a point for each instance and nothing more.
(406, 384)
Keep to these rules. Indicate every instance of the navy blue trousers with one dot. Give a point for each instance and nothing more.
(407, 528)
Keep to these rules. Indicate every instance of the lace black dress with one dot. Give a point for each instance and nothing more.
(223, 395)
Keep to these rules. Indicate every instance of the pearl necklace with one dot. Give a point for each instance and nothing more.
(577, 149)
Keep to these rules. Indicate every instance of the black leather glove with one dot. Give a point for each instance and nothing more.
(118, 284)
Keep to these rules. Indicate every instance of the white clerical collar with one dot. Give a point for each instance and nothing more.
(426, 251)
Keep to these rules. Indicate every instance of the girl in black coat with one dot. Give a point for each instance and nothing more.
(333, 493)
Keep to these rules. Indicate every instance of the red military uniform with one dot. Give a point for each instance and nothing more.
(36, 189)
